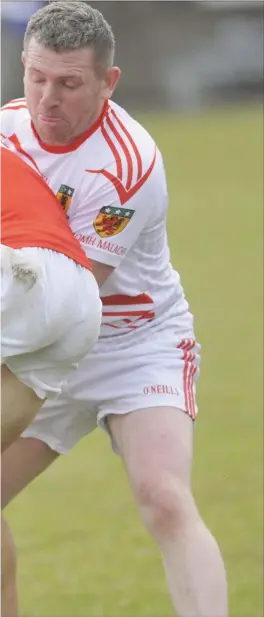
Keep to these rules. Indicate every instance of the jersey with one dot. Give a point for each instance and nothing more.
(30, 214)
(111, 184)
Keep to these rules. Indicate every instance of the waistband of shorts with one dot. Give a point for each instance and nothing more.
(171, 329)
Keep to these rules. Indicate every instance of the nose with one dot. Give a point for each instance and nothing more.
(50, 97)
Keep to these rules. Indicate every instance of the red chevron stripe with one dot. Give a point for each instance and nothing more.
(14, 108)
(137, 154)
(116, 154)
(15, 141)
(123, 194)
(126, 152)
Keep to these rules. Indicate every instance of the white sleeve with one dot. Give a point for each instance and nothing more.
(109, 221)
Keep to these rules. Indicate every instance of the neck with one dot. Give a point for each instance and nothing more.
(88, 126)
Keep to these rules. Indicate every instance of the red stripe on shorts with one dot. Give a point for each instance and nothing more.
(188, 375)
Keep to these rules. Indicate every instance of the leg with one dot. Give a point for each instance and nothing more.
(156, 446)
(23, 461)
(62, 422)
(19, 405)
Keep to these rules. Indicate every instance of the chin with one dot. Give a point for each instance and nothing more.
(47, 134)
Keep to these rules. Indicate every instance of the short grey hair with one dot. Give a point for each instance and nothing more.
(62, 25)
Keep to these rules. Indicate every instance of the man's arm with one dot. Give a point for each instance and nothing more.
(101, 271)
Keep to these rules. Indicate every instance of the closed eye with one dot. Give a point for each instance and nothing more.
(38, 80)
(71, 86)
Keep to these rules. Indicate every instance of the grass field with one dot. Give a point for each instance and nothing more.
(82, 550)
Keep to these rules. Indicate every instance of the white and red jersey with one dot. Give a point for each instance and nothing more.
(111, 182)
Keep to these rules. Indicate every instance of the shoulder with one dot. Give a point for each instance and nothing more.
(125, 154)
(13, 113)
(131, 138)
(15, 105)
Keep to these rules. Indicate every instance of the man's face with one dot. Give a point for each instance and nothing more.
(64, 92)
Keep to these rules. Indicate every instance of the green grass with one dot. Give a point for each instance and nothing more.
(82, 549)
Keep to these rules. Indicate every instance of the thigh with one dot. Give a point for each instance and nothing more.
(154, 441)
(21, 463)
(57, 427)
(158, 379)
(19, 405)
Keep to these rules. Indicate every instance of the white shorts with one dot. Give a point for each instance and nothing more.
(160, 370)
(50, 316)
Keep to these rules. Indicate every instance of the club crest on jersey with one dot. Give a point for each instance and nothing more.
(111, 221)
(64, 195)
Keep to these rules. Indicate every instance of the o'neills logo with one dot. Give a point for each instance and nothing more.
(161, 390)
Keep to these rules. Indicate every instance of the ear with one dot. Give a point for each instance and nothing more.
(23, 58)
(111, 78)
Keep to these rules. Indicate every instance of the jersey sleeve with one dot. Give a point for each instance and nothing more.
(110, 219)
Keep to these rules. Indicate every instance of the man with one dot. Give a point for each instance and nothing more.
(108, 173)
